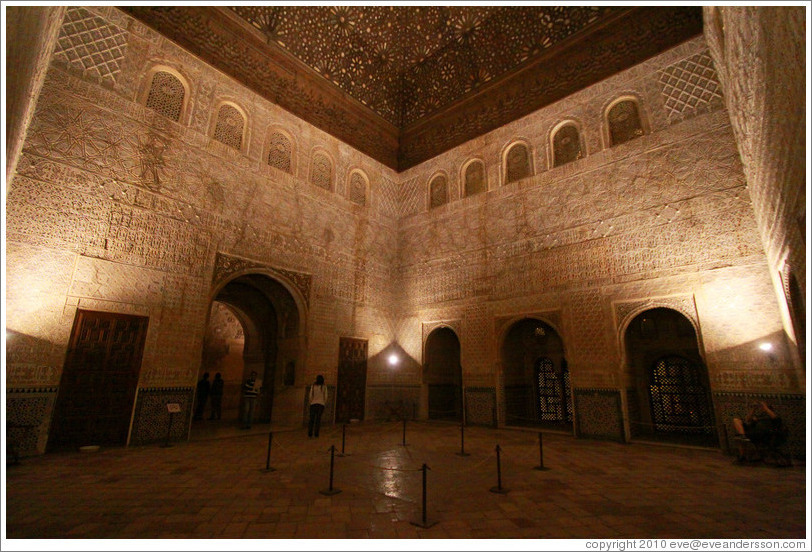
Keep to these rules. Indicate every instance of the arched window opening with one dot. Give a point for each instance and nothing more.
(442, 375)
(229, 127)
(475, 182)
(438, 191)
(624, 122)
(554, 400)
(566, 145)
(280, 152)
(517, 163)
(166, 95)
(358, 189)
(669, 397)
(536, 377)
(321, 172)
(679, 398)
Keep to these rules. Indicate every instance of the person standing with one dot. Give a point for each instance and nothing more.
(216, 397)
(203, 389)
(249, 393)
(318, 398)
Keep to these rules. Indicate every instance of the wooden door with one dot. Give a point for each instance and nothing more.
(99, 380)
(352, 379)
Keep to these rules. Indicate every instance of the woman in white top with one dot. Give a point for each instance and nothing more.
(318, 398)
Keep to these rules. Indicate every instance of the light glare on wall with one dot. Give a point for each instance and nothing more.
(393, 360)
(766, 347)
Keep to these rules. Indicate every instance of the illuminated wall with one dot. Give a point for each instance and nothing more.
(114, 207)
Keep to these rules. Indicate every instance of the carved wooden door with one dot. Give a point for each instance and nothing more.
(352, 379)
(99, 380)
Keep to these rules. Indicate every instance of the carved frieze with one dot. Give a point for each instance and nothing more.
(226, 266)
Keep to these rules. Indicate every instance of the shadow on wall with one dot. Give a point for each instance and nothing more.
(760, 370)
(393, 385)
(31, 387)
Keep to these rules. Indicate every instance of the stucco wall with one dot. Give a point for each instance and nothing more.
(116, 208)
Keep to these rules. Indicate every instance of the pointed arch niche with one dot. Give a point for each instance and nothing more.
(442, 375)
(669, 399)
(255, 324)
(537, 389)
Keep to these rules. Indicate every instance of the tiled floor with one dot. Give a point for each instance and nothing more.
(216, 486)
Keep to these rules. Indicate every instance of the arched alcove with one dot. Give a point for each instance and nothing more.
(442, 375)
(670, 397)
(254, 326)
(537, 388)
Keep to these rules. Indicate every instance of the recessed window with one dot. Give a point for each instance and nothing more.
(475, 182)
(230, 126)
(624, 122)
(438, 191)
(166, 94)
(517, 163)
(280, 152)
(566, 145)
(358, 189)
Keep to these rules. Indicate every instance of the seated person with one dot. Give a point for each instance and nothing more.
(762, 427)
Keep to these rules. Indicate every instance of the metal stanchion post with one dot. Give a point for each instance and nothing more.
(343, 439)
(268, 467)
(462, 441)
(168, 431)
(331, 491)
(541, 467)
(498, 489)
(424, 523)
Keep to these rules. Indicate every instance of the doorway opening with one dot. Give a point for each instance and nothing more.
(670, 397)
(442, 375)
(253, 326)
(536, 377)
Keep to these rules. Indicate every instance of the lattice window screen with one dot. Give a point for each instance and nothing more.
(566, 145)
(230, 124)
(321, 173)
(624, 122)
(518, 163)
(438, 192)
(279, 154)
(475, 178)
(358, 189)
(679, 398)
(166, 95)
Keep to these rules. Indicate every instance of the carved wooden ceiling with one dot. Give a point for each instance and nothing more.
(405, 83)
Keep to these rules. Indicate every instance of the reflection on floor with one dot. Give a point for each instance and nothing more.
(216, 486)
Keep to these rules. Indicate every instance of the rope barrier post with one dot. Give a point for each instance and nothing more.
(498, 489)
(462, 442)
(268, 467)
(331, 491)
(541, 467)
(424, 523)
(343, 439)
(168, 431)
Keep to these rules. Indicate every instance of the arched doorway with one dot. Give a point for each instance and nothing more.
(670, 395)
(254, 327)
(537, 388)
(442, 375)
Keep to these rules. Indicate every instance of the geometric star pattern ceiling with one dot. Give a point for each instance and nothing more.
(407, 63)
(403, 84)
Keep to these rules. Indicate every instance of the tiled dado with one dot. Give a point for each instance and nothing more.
(28, 415)
(791, 408)
(151, 420)
(598, 414)
(480, 406)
